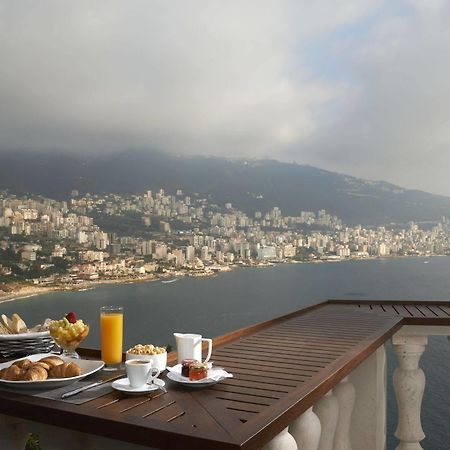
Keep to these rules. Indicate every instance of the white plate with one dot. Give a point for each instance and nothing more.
(88, 367)
(123, 384)
(195, 384)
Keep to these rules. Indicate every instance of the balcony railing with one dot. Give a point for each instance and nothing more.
(312, 380)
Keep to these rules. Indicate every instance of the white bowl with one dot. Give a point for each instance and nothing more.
(159, 360)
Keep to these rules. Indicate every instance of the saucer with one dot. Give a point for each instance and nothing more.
(123, 384)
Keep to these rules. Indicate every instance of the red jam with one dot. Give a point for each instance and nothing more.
(185, 366)
(198, 371)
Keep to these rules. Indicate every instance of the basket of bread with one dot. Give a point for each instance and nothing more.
(17, 339)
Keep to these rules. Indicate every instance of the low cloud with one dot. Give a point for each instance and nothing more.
(397, 125)
(358, 86)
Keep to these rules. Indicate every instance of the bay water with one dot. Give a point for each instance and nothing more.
(214, 306)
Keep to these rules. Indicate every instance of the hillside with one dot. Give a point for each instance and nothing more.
(252, 185)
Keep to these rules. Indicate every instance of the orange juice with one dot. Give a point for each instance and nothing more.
(111, 329)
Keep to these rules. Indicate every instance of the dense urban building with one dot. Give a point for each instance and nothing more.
(93, 237)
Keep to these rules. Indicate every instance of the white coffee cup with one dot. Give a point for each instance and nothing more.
(140, 372)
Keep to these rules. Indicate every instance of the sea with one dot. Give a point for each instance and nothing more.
(153, 311)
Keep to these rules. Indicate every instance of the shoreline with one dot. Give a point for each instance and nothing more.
(28, 291)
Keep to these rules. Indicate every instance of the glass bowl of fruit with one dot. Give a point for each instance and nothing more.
(68, 333)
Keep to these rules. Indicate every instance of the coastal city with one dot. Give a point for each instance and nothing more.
(90, 239)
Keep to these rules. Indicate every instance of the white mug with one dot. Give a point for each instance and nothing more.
(189, 346)
(140, 372)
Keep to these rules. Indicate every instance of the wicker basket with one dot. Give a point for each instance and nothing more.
(25, 344)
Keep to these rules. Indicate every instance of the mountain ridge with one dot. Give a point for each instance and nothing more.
(249, 184)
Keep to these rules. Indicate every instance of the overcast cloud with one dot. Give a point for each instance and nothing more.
(358, 86)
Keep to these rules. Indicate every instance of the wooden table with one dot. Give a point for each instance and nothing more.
(281, 368)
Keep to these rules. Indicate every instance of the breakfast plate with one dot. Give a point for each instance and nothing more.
(124, 385)
(88, 367)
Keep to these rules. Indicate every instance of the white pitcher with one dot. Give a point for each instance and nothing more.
(189, 346)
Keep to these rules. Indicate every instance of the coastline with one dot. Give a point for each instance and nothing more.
(28, 291)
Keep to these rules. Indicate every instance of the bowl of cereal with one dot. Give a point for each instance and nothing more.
(149, 352)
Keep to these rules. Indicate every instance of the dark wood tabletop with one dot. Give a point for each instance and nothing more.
(280, 367)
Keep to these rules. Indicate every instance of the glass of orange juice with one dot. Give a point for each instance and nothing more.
(111, 331)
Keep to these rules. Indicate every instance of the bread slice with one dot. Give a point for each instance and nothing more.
(18, 325)
(4, 330)
(7, 323)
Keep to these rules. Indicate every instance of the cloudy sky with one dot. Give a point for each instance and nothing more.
(357, 86)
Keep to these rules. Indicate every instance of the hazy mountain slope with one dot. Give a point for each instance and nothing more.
(249, 185)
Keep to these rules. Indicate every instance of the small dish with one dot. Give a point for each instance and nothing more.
(123, 384)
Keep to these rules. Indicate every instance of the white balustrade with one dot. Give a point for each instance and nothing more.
(306, 430)
(282, 441)
(345, 395)
(327, 410)
(409, 385)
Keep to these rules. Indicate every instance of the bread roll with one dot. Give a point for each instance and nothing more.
(65, 370)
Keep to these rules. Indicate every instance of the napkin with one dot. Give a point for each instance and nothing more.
(214, 374)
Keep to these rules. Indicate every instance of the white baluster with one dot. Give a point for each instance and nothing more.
(306, 430)
(282, 441)
(327, 410)
(13, 433)
(345, 395)
(368, 428)
(409, 385)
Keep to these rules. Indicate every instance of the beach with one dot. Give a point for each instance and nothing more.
(18, 291)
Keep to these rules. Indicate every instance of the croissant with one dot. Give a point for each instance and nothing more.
(52, 361)
(65, 370)
(12, 373)
(23, 363)
(41, 364)
(35, 373)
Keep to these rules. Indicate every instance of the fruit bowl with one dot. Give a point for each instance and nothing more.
(68, 333)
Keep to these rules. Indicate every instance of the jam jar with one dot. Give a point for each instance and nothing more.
(198, 371)
(185, 366)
